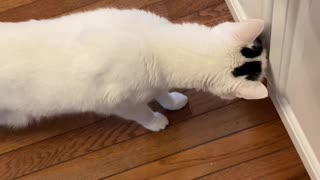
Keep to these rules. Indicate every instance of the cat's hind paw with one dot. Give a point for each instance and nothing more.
(159, 122)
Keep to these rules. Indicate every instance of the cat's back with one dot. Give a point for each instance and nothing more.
(77, 41)
(107, 18)
(76, 28)
(63, 36)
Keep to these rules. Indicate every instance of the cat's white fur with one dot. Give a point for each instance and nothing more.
(113, 62)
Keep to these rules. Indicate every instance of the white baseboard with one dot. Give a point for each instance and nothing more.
(296, 134)
(236, 10)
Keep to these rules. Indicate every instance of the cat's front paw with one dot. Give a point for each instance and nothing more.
(159, 122)
(178, 101)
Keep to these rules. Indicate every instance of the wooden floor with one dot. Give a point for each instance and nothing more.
(208, 139)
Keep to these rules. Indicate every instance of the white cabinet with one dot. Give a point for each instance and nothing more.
(293, 30)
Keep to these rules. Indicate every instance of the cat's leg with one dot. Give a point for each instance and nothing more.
(13, 119)
(172, 101)
(143, 115)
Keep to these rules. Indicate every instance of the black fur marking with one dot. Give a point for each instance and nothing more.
(253, 52)
(250, 69)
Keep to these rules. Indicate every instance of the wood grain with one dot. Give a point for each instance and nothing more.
(214, 156)
(217, 11)
(175, 9)
(93, 137)
(121, 4)
(11, 139)
(210, 16)
(42, 9)
(151, 147)
(285, 164)
(10, 4)
(204, 102)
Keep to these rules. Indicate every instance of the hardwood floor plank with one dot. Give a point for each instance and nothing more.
(175, 9)
(210, 16)
(42, 9)
(285, 164)
(10, 4)
(216, 155)
(14, 139)
(153, 146)
(53, 8)
(217, 12)
(122, 4)
(204, 102)
(91, 138)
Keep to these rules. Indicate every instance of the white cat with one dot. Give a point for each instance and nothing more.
(116, 61)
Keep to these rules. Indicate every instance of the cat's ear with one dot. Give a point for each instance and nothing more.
(246, 31)
(251, 90)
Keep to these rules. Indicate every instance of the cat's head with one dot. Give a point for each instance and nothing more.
(244, 63)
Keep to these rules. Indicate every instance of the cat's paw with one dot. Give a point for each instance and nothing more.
(178, 101)
(159, 122)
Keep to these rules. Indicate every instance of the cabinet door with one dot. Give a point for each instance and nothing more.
(295, 75)
(293, 30)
